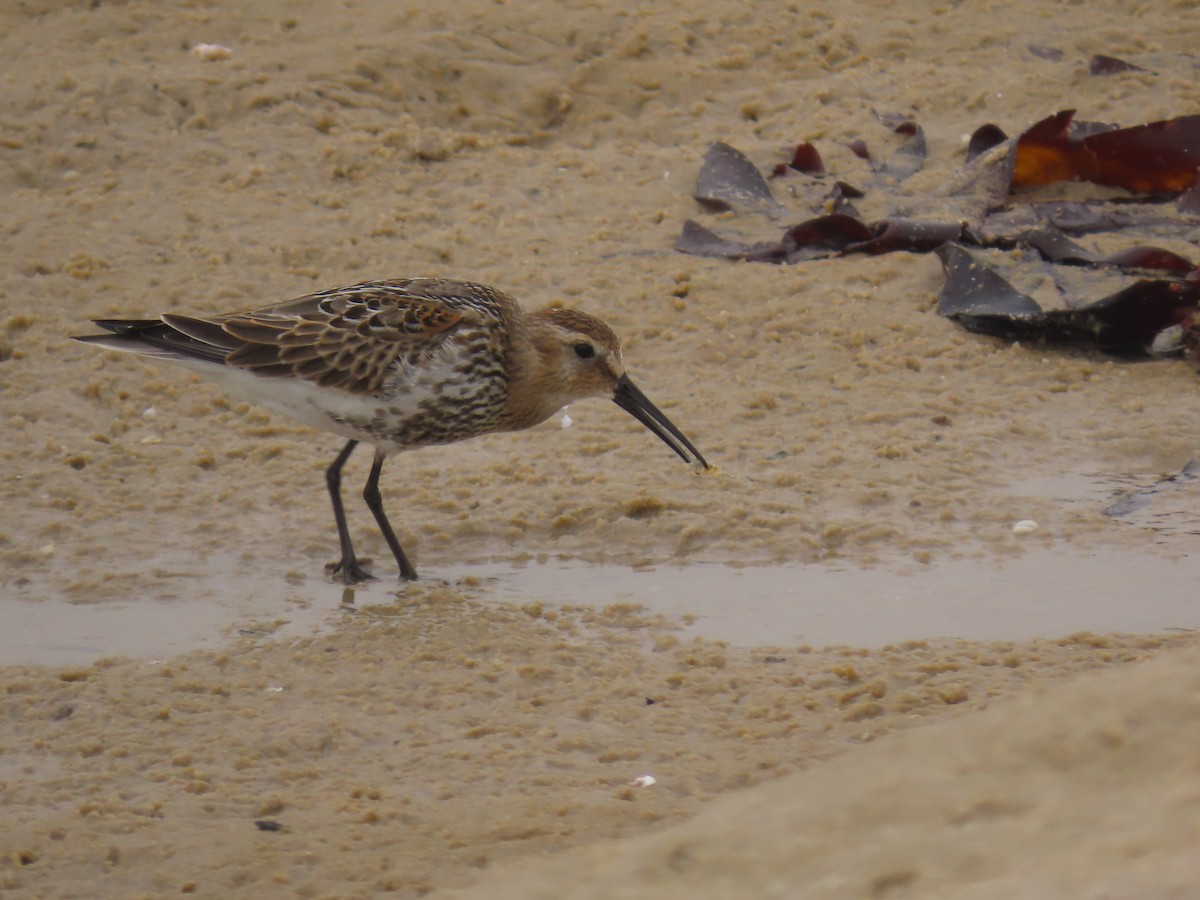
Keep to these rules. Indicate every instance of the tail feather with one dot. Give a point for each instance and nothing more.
(159, 339)
(206, 331)
(122, 326)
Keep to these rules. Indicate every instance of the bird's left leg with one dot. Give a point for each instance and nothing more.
(375, 503)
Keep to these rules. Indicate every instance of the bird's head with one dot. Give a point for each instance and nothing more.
(576, 356)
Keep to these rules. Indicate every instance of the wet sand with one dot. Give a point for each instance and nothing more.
(181, 667)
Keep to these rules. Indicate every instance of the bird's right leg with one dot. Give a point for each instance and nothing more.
(351, 571)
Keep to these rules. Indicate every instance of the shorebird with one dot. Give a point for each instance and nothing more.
(400, 364)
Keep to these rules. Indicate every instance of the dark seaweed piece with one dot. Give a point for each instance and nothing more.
(267, 825)
(816, 238)
(1045, 152)
(889, 235)
(980, 300)
(824, 236)
(1085, 218)
(728, 179)
(697, 240)
(909, 157)
(1056, 247)
(700, 241)
(841, 195)
(1125, 323)
(1159, 156)
(1110, 65)
(984, 139)
(805, 158)
(1148, 257)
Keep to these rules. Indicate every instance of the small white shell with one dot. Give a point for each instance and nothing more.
(643, 781)
(565, 421)
(211, 52)
(1025, 526)
(1167, 341)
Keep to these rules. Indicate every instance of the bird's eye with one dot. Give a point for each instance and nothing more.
(584, 350)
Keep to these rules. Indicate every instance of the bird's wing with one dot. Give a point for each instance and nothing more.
(351, 338)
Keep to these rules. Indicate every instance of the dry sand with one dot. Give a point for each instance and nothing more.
(450, 738)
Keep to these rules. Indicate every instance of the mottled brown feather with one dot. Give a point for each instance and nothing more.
(352, 338)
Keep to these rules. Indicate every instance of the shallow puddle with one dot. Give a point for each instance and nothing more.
(1044, 593)
(198, 611)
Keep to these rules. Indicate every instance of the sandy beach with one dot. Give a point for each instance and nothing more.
(828, 667)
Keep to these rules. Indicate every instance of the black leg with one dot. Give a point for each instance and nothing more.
(348, 565)
(375, 504)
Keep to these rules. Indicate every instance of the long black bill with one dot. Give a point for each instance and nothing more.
(634, 402)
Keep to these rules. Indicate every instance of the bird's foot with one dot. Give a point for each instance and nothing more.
(350, 570)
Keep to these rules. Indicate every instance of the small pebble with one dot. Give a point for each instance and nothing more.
(1025, 526)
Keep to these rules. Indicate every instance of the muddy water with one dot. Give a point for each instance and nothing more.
(1045, 592)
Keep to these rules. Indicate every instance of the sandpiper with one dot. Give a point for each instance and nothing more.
(400, 364)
